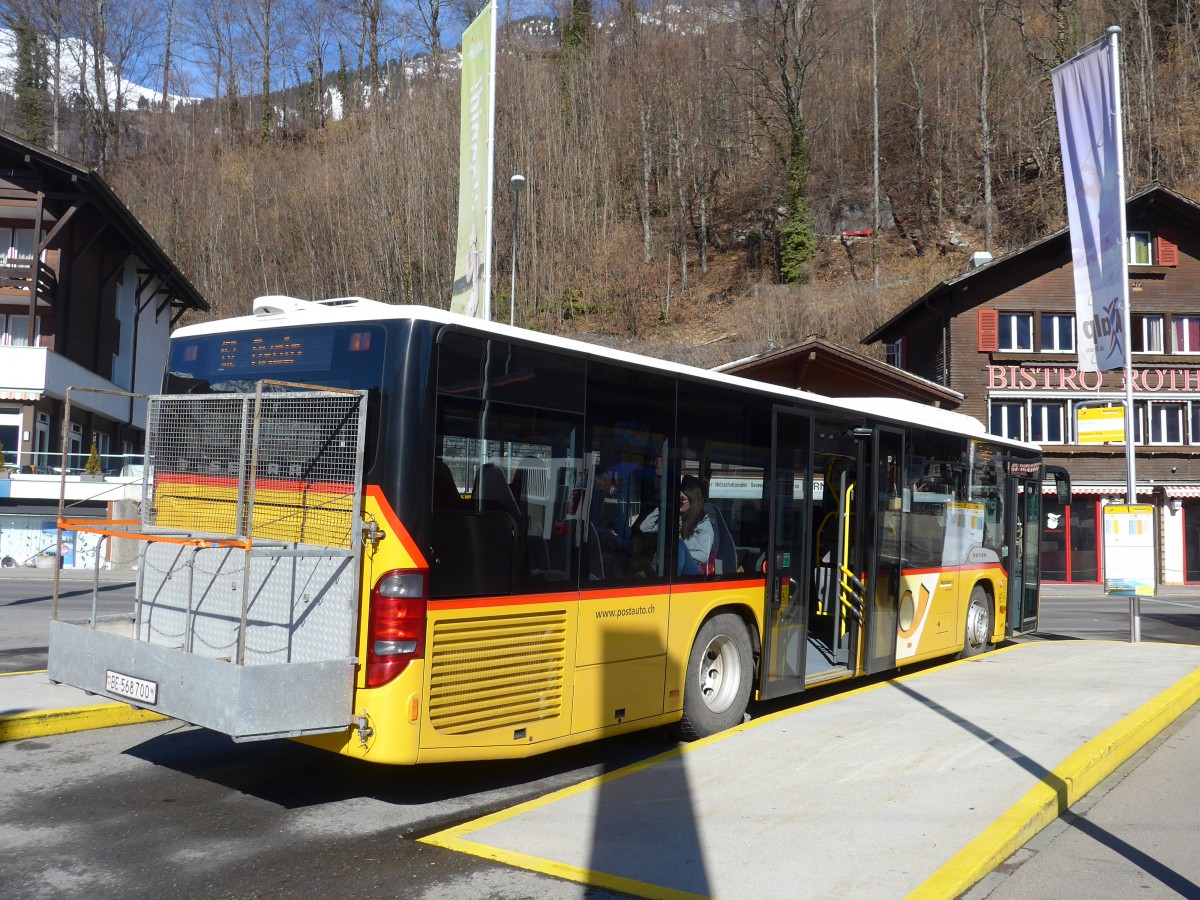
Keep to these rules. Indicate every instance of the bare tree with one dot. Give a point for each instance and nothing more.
(981, 14)
(428, 15)
(262, 27)
(786, 39)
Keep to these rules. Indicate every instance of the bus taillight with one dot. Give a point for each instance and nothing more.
(396, 629)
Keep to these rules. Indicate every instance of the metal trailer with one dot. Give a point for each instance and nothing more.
(245, 618)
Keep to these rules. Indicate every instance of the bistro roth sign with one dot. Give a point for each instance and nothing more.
(1066, 378)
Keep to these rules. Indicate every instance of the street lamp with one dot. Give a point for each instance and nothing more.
(516, 184)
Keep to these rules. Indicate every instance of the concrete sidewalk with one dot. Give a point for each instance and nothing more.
(920, 785)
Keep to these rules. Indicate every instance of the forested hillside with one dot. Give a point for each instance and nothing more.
(691, 168)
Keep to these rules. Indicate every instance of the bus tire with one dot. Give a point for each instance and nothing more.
(978, 629)
(719, 678)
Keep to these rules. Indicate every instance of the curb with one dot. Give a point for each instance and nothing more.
(1060, 789)
(64, 721)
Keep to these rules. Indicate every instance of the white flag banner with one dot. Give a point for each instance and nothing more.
(1088, 104)
(472, 290)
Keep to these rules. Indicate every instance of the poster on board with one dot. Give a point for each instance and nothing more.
(1130, 554)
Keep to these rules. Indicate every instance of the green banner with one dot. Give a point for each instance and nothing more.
(473, 255)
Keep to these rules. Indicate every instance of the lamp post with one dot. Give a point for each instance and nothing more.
(516, 184)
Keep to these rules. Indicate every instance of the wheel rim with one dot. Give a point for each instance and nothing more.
(977, 624)
(720, 673)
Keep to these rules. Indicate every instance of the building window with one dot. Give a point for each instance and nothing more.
(17, 244)
(1147, 334)
(893, 353)
(1166, 423)
(16, 331)
(1016, 331)
(1008, 419)
(1194, 433)
(75, 456)
(1185, 334)
(1058, 333)
(1140, 249)
(1046, 422)
(41, 440)
(103, 448)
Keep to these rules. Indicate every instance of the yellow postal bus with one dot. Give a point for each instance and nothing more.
(408, 536)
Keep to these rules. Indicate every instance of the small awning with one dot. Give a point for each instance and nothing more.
(1117, 489)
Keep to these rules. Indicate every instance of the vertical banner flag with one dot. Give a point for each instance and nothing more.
(473, 255)
(1088, 105)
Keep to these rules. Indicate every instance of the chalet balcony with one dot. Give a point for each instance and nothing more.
(17, 275)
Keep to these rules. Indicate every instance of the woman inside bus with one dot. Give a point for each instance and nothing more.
(695, 530)
(696, 533)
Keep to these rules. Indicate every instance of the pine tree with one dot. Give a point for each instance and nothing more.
(33, 98)
(798, 243)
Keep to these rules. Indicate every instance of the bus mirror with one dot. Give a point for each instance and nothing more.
(1062, 483)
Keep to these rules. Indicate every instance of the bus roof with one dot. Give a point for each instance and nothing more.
(276, 311)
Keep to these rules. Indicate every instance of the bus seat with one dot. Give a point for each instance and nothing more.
(445, 489)
(493, 491)
(726, 550)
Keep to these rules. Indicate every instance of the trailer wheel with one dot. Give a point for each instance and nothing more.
(979, 623)
(719, 675)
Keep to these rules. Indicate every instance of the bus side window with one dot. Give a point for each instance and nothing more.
(630, 414)
(724, 440)
(934, 477)
(504, 472)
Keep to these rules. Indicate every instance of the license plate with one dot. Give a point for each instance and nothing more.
(134, 688)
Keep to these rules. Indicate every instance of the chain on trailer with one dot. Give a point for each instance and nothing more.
(247, 589)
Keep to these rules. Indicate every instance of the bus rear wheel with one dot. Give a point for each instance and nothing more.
(979, 623)
(719, 678)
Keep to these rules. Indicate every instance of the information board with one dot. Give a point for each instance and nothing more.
(1130, 557)
(1100, 424)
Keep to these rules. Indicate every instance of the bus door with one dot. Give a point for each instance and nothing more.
(1024, 556)
(837, 549)
(884, 513)
(787, 559)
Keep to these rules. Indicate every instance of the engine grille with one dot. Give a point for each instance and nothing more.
(497, 671)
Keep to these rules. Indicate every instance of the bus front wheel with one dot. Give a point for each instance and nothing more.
(719, 677)
(979, 623)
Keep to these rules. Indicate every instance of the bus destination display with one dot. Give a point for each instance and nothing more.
(294, 350)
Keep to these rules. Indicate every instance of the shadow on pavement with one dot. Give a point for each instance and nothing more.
(295, 776)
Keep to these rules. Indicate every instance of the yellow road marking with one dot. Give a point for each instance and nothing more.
(63, 721)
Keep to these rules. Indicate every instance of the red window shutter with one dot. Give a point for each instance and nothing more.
(1167, 251)
(988, 331)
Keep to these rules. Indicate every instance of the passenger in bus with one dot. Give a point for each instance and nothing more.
(608, 532)
(697, 537)
(695, 530)
(607, 511)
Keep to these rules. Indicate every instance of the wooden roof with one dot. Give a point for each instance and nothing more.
(815, 364)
